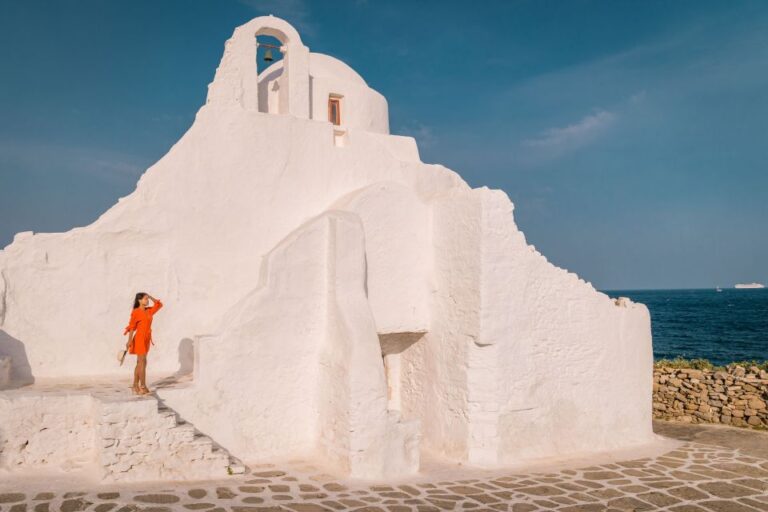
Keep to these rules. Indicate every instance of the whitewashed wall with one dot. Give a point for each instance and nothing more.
(493, 354)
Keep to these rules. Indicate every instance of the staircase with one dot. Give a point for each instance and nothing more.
(142, 439)
(71, 424)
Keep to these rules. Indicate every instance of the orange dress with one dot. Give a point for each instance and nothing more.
(141, 321)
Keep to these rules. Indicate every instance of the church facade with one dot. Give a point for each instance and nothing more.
(327, 292)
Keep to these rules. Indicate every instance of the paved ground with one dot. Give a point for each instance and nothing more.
(713, 468)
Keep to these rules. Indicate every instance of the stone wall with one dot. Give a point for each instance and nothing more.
(735, 396)
(127, 439)
(38, 431)
(138, 443)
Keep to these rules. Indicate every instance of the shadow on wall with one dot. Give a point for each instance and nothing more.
(186, 365)
(186, 357)
(2, 449)
(21, 371)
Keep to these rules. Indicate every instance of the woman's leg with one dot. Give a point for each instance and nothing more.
(143, 372)
(137, 373)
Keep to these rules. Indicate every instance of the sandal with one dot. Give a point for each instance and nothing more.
(136, 390)
(143, 390)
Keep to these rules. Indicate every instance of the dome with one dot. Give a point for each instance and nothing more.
(320, 66)
(325, 66)
(331, 82)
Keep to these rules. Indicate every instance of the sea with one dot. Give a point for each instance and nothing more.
(725, 326)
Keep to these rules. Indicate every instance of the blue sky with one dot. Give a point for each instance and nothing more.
(631, 136)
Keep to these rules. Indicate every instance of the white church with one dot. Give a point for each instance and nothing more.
(326, 293)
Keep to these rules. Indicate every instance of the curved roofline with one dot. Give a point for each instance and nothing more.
(277, 67)
(272, 26)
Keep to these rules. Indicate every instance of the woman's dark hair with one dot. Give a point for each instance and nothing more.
(139, 296)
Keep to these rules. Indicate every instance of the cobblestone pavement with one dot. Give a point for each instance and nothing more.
(731, 475)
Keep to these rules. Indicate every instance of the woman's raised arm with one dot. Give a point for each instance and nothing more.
(156, 306)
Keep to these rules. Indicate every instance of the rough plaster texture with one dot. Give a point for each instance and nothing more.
(341, 296)
(126, 440)
(136, 442)
(5, 372)
(42, 431)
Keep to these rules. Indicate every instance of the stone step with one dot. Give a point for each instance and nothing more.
(147, 440)
(236, 467)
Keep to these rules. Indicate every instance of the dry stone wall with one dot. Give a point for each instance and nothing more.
(735, 396)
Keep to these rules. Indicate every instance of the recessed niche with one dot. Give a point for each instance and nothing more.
(339, 138)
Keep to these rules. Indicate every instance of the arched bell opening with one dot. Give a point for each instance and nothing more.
(270, 50)
(237, 77)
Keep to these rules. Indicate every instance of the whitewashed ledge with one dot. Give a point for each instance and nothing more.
(99, 425)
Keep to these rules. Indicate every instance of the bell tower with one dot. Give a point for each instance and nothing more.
(236, 80)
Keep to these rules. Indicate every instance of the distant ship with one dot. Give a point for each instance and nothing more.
(749, 285)
(718, 289)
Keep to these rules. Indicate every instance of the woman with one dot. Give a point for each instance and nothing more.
(139, 332)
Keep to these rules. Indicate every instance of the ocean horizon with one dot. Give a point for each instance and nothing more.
(725, 326)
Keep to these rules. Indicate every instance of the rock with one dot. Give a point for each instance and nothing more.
(12, 497)
(157, 498)
(696, 396)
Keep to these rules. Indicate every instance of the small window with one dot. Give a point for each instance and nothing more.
(334, 110)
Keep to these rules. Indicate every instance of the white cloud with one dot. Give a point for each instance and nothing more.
(575, 135)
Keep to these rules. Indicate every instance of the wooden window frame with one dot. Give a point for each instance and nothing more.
(337, 101)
